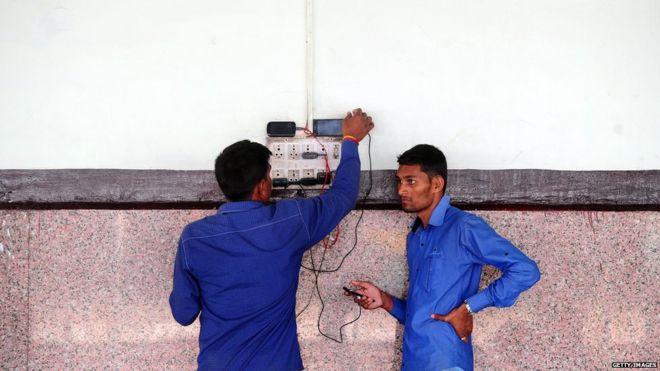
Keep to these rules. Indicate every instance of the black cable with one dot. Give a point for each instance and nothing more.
(309, 301)
(304, 192)
(318, 322)
(317, 272)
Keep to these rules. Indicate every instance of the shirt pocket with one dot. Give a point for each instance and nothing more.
(433, 267)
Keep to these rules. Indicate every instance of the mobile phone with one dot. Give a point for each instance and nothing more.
(352, 293)
(281, 129)
(327, 127)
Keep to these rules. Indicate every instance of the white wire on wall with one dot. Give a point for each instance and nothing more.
(309, 62)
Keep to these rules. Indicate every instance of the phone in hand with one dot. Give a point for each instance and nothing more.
(352, 293)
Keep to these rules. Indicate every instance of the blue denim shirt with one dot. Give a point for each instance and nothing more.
(445, 261)
(239, 269)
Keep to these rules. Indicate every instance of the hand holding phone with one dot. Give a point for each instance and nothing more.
(368, 296)
(352, 293)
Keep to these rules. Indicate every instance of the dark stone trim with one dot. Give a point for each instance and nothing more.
(472, 189)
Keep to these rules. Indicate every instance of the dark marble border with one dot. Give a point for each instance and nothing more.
(527, 188)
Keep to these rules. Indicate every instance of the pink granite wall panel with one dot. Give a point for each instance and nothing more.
(596, 302)
(14, 318)
(99, 286)
(99, 281)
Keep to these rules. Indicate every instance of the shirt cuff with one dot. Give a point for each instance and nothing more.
(349, 149)
(398, 309)
(480, 301)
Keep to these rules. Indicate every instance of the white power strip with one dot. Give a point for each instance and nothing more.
(287, 160)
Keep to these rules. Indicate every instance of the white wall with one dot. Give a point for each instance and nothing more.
(144, 84)
(559, 84)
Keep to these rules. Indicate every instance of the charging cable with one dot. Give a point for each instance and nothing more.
(317, 272)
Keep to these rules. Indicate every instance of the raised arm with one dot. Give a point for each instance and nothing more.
(322, 213)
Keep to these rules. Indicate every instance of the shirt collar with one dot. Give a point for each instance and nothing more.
(437, 216)
(238, 206)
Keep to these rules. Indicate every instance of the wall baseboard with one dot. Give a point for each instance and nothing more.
(476, 189)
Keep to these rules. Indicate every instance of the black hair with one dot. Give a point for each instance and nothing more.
(240, 167)
(429, 158)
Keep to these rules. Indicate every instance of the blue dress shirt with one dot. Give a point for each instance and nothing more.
(239, 269)
(444, 262)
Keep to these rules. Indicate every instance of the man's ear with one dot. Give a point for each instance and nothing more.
(437, 184)
(260, 191)
(263, 188)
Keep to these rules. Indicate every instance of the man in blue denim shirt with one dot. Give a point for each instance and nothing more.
(239, 268)
(446, 249)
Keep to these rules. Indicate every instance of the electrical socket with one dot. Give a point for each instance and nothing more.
(277, 149)
(293, 175)
(308, 173)
(309, 147)
(293, 151)
(277, 173)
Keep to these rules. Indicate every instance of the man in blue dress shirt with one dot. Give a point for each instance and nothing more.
(446, 250)
(238, 269)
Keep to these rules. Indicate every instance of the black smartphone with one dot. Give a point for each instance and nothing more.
(327, 127)
(352, 293)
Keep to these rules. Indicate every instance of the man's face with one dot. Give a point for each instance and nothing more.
(416, 190)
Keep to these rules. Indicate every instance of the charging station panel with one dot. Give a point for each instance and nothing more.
(302, 157)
